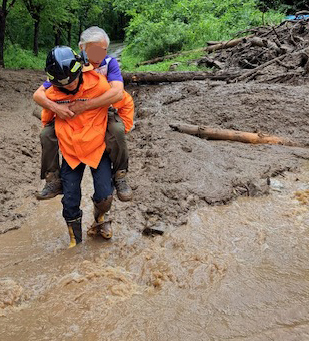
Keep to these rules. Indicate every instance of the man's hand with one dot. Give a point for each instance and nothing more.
(78, 107)
(111, 96)
(63, 111)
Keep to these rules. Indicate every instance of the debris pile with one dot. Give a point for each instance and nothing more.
(276, 54)
(272, 54)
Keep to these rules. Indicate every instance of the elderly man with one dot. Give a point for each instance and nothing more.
(94, 41)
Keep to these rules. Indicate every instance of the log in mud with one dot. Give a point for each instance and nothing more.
(210, 133)
(232, 261)
(167, 77)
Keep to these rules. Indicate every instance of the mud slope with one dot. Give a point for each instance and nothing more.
(19, 146)
(174, 172)
(169, 172)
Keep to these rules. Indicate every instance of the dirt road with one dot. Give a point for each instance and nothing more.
(218, 271)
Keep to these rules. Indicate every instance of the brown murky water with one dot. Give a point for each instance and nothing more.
(234, 272)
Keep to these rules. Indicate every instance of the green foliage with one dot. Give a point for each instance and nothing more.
(283, 5)
(61, 16)
(265, 5)
(129, 62)
(19, 58)
(158, 39)
(166, 26)
(152, 27)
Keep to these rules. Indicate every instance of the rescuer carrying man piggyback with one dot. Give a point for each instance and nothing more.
(82, 139)
(94, 41)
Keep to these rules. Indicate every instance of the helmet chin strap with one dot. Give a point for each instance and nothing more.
(73, 92)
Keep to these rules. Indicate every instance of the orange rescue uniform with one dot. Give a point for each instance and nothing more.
(82, 138)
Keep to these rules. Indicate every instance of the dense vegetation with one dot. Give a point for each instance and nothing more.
(28, 28)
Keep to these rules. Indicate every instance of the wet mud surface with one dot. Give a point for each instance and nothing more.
(19, 146)
(170, 172)
(218, 271)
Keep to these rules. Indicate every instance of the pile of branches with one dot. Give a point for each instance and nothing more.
(271, 54)
(276, 54)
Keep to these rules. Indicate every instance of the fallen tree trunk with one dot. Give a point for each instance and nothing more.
(160, 77)
(228, 134)
(211, 48)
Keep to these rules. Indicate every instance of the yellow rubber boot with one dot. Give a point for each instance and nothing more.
(75, 231)
(105, 228)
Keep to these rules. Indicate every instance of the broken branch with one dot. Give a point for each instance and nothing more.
(249, 73)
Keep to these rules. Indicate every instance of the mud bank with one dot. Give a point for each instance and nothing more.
(19, 146)
(170, 172)
(176, 172)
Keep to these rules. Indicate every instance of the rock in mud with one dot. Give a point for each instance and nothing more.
(10, 292)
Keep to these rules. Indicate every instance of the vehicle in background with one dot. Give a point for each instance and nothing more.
(298, 16)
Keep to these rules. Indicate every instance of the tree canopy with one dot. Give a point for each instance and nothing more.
(150, 27)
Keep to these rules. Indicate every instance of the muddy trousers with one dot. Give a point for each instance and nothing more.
(71, 182)
(115, 140)
(116, 144)
(50, 155)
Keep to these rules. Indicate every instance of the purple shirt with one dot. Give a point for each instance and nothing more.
(109, 68)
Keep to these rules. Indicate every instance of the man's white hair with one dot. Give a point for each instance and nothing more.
(93, 34)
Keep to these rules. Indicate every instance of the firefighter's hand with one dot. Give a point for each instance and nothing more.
(63, 111)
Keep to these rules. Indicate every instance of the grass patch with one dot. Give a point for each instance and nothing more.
(17, 58)
(129, 63)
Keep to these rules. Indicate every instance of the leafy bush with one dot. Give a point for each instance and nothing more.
(128, 63)
(18, 58)
(283, 5)
(166, 26)
(159, 39)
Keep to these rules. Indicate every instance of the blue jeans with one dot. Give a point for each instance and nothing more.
(71, 180)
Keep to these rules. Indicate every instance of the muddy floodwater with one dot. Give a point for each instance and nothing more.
(232, 263)
(236, 272)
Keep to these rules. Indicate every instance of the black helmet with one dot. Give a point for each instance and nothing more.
(63, 65)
